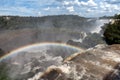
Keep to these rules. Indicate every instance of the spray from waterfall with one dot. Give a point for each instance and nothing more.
(99, 23)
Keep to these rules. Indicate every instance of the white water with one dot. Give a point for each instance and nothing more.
(99, 23)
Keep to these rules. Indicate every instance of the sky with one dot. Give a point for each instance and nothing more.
(86, 8)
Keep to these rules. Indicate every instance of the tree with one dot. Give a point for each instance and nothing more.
(117, 16)
(112, 31)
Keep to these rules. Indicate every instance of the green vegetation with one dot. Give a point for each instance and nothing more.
(117, 16)
(112, 31)
(56, 21)
(3, 71)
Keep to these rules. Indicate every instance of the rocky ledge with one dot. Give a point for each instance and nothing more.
(99, 63)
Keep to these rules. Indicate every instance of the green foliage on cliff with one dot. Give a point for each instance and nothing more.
(112, 31)
(3, 71)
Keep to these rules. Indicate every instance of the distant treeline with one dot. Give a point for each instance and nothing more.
(57, 21)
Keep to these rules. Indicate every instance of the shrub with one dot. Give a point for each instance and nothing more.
(112, 31)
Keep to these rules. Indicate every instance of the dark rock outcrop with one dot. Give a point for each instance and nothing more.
(1, 52)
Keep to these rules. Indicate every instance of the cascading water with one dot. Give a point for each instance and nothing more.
(98, 24)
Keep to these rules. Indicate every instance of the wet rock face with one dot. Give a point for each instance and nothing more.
(51, 75)
(114, 75)
(99, 63)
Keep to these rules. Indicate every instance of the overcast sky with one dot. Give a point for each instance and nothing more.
(87, 8)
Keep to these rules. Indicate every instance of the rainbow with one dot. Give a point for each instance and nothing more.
(30, 46)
